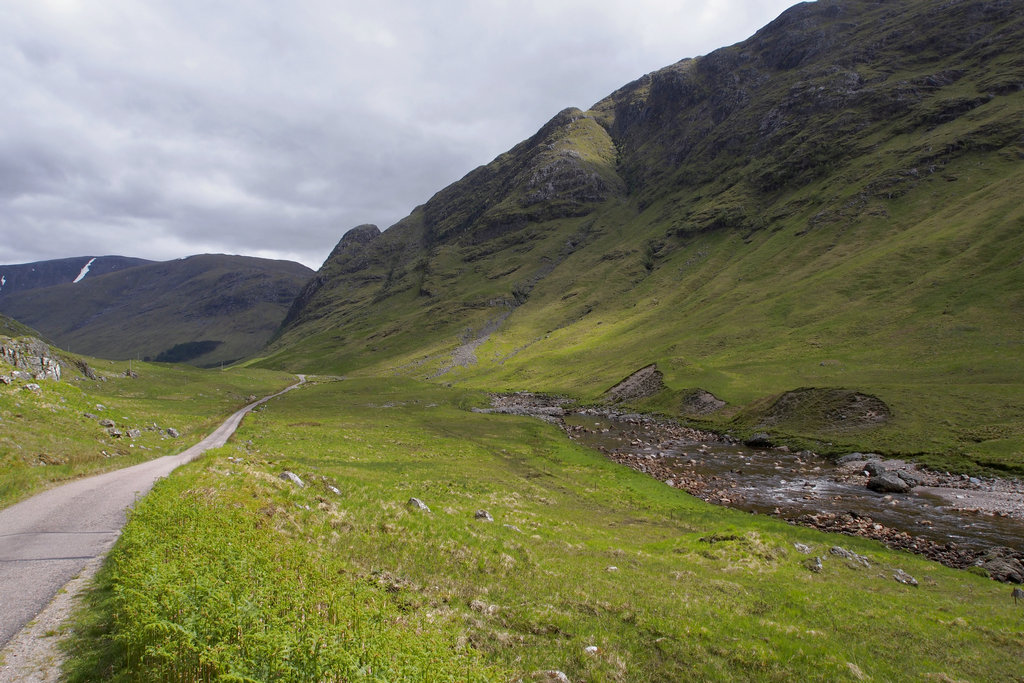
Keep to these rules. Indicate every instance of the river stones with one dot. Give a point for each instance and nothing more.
(888, 482)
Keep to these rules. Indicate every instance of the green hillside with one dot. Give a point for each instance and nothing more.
(204, 310)
(833, 203)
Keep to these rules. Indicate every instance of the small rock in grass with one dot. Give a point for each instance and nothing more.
(172, 432)
(611, 569)
(33, 387)
(293, 478)
(904, 578)
(591, 650)
(106, 423)
(89, 416)
(4, 379)
(418, 504)
(115, 432)
(853, 557)
(483, 515)
(134, 433)
(805, 549)
(513, 527)
(334, 490)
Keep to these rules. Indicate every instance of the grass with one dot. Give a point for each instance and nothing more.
(227, 572)
(46, 437)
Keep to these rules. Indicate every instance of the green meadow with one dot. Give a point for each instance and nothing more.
(46, 437)
(227, 572)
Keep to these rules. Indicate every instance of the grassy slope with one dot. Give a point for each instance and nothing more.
(257, 578)
(45, 438)
(142, 311)
(872, 243)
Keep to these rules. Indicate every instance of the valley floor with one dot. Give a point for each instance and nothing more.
(530, 555)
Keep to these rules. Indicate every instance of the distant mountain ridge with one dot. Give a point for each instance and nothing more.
(832, 202)
(24, 276)
(205, 309)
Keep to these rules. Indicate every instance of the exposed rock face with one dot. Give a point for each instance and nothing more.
(643, 383)
(32, 355)
(699, 403)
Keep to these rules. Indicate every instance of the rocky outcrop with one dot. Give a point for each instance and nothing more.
(643, 383)
(32, 355)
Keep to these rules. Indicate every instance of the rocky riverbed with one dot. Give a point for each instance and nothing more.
(959, 521)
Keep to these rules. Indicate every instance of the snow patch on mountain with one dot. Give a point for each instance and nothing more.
(85, 271)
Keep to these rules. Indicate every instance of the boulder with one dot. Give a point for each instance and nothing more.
(418, 504)
(172, 432)
(483, 515)
(293, 478)
(134, 433)
(904, 578)
(888, 482)
(874, 468)
(760, 440)
(854, 558)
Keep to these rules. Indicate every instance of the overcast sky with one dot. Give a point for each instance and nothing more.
(165, 128)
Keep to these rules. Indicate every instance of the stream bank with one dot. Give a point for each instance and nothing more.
(960, 521)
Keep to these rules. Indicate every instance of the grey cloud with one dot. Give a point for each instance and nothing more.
(171, 127)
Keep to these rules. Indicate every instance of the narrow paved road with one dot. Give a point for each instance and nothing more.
(47, 539)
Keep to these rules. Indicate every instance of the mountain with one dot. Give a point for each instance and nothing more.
(820, 226)
(204, 310)
(20, 277)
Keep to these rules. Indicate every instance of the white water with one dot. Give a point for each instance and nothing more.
(85, 270)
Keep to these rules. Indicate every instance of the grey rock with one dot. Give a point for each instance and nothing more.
(760, 440)
(909, 477)
(106, 423)
(513, 527)
(89, 416)
(100, 407)
(334, 490)
(802, 548)
(483, 515)
(33, 387)
(851, 457)
(1005, 569)
(5, 379)
(115, 432)
(293, 478)
(31, 356)
(418, 504)
(874, 468)
(134, 433)
(814, 564)
(172, 432)
(905, 578)
(849, 555)
(888, 482)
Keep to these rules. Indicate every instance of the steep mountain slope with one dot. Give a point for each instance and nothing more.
(204, 310)
(832, 203)
(17, 278)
